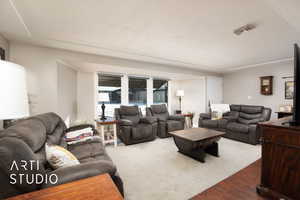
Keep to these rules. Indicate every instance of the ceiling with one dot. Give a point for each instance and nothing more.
(194, 34)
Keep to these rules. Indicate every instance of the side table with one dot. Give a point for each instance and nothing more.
(108, 122)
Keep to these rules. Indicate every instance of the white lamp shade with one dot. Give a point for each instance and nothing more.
(13, 91)
(103, 97)
(180, 93)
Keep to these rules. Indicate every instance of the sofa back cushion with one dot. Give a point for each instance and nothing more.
(131, 113)
(235, 107)
(160, 111)
(250, 114)
(55, 128)
(31, 131)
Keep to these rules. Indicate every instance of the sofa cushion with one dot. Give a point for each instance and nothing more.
(210, 123)
(87, 149)
(174, 125)
(55, 128)
(237, 127)
(158, 109)
(130, 113)
(234, 107)
(249, 116)
(222, 123)
(31, 131)
(251, 109)
(142, 131)
(249, 121)
(129, 110)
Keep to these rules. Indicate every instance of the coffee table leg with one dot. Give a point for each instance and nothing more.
(213, 149)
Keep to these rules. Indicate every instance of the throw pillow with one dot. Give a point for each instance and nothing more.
(58, 157)
(218, 110)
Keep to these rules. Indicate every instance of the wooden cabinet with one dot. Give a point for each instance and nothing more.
(266, 85)
(280, 172)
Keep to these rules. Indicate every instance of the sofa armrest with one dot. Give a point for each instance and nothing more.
(148, 120)
(176, 117)
(84, 170)
(125, 122)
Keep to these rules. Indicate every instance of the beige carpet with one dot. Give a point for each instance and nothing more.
(156, 171)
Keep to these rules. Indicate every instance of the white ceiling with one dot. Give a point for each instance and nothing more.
(193, 34)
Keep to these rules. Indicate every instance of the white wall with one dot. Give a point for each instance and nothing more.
(194, 99)
(86, 96)
(214, 90)
(42, 79)
(67, 92)
(243, 86)
(5, 45)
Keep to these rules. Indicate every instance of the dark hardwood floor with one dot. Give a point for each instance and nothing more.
(240, 186)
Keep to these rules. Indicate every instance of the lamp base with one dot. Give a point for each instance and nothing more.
(103, 112)
(7, 123)
(178, 112)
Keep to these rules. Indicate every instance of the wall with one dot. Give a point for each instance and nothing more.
(67, 92)
(5, 45)
(42, 79)
(194, 99)
(243, 86)
(214, 90)
(86, 96)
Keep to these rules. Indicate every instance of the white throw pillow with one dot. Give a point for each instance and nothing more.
(58, 157)
(222, 108)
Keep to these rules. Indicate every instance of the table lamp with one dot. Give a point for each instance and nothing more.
(180, 94)
(13, 92)
(103, 97)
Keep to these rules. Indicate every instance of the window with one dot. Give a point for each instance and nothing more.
(137, 91)
(112, 85)
(160, 91)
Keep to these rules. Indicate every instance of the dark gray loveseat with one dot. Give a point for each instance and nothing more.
(26, 141)
(166, 122)
(240, 123)
(132, 127)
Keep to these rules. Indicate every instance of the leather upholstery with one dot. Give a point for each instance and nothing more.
(240, 123)
(166, 122)
(26, 140)
(132, 128)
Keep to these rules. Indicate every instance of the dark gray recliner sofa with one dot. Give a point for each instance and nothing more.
(132, 127)
(240, 123)
(26, 141)
(166, 122)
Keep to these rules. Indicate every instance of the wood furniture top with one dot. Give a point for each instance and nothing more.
(197, 134)
(107, 121)
(93, 188)
(240, 186)
(188, 114)
(280, 123)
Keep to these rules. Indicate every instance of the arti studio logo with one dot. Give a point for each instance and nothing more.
(24, 172)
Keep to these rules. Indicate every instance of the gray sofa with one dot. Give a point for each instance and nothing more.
(26, 141)
(166, 122)
(132, 127)
(240, 123)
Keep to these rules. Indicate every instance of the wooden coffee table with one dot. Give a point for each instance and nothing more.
(196, 142)
(93, 188)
